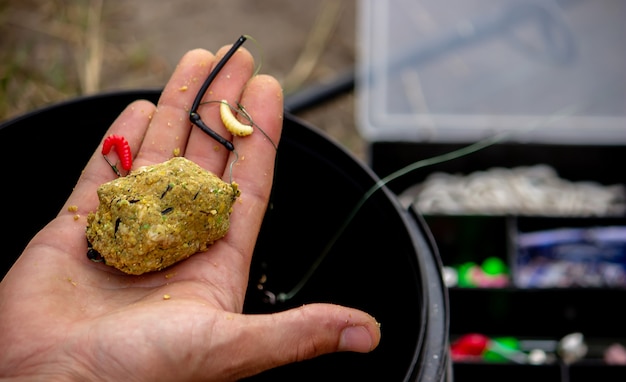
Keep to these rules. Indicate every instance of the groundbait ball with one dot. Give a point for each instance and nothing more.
(159, 215)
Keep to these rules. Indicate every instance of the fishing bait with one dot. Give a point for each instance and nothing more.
(121, 147)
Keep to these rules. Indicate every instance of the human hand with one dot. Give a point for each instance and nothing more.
(63, 316)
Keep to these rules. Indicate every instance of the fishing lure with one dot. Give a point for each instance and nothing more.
(123, 151)
(234, 126)
(231, 123)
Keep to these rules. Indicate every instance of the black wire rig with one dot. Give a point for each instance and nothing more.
(194, 117)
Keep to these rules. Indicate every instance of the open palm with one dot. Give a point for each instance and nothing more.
(62, 315)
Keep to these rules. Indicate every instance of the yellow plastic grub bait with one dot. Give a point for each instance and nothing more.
(231, 123)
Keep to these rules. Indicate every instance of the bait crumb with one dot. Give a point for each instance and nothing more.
(72, 208)
(159, 215)
(183, 88)
(76, 217)
(176, 152)
(170, 275)
(166, 297)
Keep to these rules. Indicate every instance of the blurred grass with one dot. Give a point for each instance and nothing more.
(60, 49)
(55, 50)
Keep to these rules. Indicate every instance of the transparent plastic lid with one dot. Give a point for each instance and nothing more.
(463, 70)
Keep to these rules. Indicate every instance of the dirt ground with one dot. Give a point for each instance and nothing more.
(61, 49)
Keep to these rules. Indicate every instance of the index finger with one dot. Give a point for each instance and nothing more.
(132, 123)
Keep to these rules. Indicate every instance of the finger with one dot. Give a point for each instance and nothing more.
(228, 85)
(132, 124)
(298, 334)
(169, 130)
(253, 172)
(254, 169)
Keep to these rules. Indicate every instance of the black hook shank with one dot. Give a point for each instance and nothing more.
(194, 117)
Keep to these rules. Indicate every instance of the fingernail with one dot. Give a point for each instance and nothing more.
(355, 338)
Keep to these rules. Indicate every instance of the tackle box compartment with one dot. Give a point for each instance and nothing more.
(545, 83)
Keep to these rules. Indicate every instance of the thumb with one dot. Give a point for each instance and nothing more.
(303, 333)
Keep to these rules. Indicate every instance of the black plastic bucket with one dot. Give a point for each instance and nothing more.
(382, 262)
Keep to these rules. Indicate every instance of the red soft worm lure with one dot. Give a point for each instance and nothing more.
(123, 151)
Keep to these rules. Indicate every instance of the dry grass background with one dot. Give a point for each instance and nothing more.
(56, 50)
